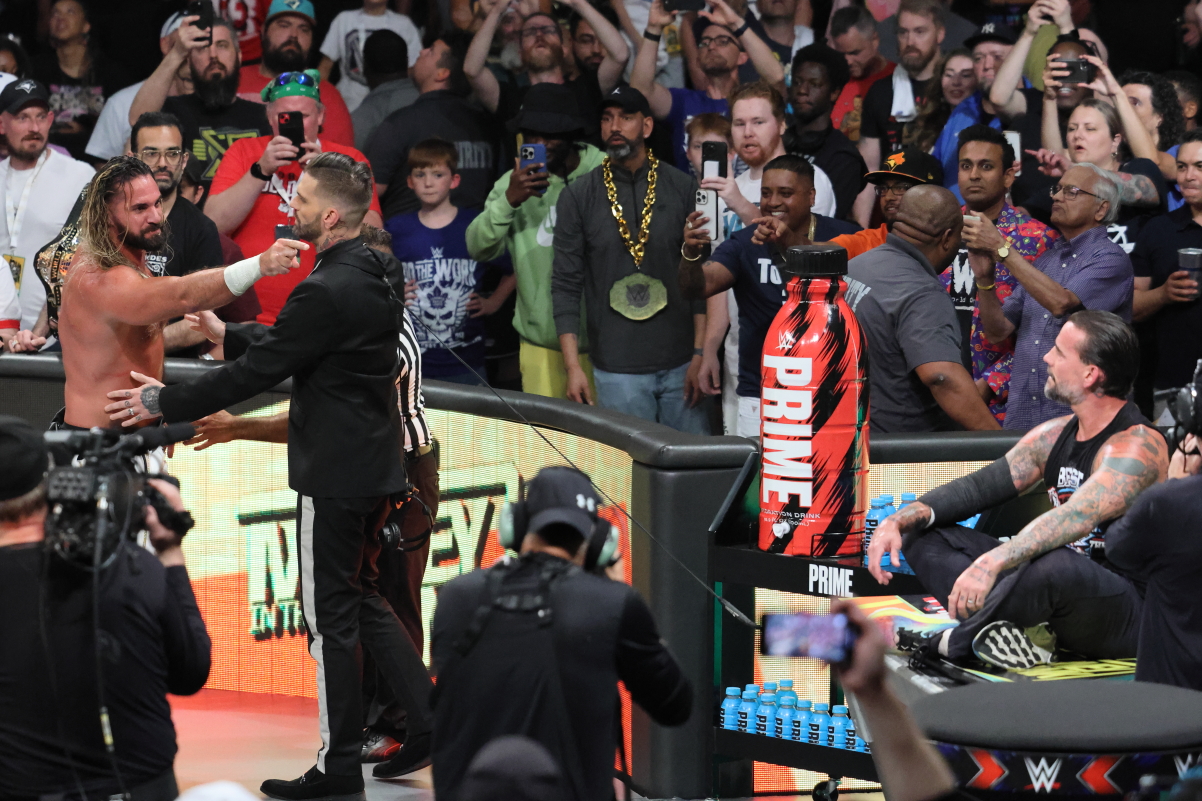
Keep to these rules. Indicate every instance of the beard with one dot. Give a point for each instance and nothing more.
(1053, 392)
(915, 62)
(216, 93)
(288, 57)
(715, 67)
(542, 60)
(511, 56)
(28, 149)
(622, 150)
(151, 238)
(307, 231)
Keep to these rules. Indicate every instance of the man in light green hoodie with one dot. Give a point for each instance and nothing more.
(519, 216)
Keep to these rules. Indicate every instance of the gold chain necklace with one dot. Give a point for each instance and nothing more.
(611, 191)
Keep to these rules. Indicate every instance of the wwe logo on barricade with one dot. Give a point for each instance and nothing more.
(1184, 763)
(1043, 775)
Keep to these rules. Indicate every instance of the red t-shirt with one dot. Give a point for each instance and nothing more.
(338, 127)
(848, 107)
(257, 231)
(248, 17)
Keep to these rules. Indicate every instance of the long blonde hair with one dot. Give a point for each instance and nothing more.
(95, 220)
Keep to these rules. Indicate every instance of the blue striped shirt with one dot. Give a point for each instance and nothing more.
(1099, 273)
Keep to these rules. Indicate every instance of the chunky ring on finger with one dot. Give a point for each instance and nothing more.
(132, 412)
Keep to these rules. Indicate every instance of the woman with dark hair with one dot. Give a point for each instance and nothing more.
(13, 58)
(78, 76)
(956, 82)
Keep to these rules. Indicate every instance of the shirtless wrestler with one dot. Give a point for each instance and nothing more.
(113, 310)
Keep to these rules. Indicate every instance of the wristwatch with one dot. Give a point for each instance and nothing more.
(257, 172)
(1003, 252)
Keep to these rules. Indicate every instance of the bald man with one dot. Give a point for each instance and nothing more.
(917, 380)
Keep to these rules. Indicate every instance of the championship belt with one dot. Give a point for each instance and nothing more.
(52, 261)
(638, 296)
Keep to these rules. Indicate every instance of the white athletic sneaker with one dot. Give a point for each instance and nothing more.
(1005, 645)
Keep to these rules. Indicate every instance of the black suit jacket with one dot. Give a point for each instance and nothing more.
(337, 338)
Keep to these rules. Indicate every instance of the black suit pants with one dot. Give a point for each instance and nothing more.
(343, 609)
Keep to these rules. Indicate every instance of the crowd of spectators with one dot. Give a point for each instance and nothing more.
(538, 164)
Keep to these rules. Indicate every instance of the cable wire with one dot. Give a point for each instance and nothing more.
(734, 611)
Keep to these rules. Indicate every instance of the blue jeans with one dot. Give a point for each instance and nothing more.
(658, 397)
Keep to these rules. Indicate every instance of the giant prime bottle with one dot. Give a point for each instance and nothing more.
(814, 413)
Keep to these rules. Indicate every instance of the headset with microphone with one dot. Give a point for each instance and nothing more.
(603, 539)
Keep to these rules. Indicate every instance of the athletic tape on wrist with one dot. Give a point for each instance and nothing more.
(241, 276)
(975, 492)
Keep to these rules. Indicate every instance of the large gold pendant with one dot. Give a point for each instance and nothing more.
(638, 296)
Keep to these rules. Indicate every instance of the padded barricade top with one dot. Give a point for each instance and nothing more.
(1065, 716)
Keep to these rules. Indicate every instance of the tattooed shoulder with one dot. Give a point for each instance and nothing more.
(1027, 458)
(1139, 452)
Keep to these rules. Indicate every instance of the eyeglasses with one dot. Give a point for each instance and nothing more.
(152, 155)
(302, 78)
(545, 31)
(893, 189)
(715, 41)
(1069, 191)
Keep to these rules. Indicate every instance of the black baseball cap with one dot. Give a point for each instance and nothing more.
(548, 108)
(562, 495)
(24, 458)
(909, 162)
(628, 99)
(19, 94)
(992, 32)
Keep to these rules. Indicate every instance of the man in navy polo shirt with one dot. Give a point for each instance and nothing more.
(745, 262)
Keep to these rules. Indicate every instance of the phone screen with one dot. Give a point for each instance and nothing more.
(826, 637)
(285, 232)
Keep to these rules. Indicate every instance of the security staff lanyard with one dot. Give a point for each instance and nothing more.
(14, 215)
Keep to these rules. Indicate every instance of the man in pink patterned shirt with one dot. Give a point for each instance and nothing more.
(987, 165)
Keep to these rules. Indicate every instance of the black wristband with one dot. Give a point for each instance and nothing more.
(975, 492)
(257, 172)
(739, 33)
(652, 37)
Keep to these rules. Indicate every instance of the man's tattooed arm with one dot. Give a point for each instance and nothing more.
(1027, 458)
(1128, 464)
(1137, 190)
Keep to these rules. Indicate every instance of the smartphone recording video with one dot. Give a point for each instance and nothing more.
(830, 638)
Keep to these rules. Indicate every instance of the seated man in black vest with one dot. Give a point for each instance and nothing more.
(1094, 462)
(536, 645)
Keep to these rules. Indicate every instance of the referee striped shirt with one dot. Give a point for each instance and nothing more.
(409, 390)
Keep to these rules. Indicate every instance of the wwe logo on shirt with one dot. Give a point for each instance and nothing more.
(435, 253)
(1043, 775)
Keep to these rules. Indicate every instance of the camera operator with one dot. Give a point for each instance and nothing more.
(536, 645)
(1157, 542)
(153, 637)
